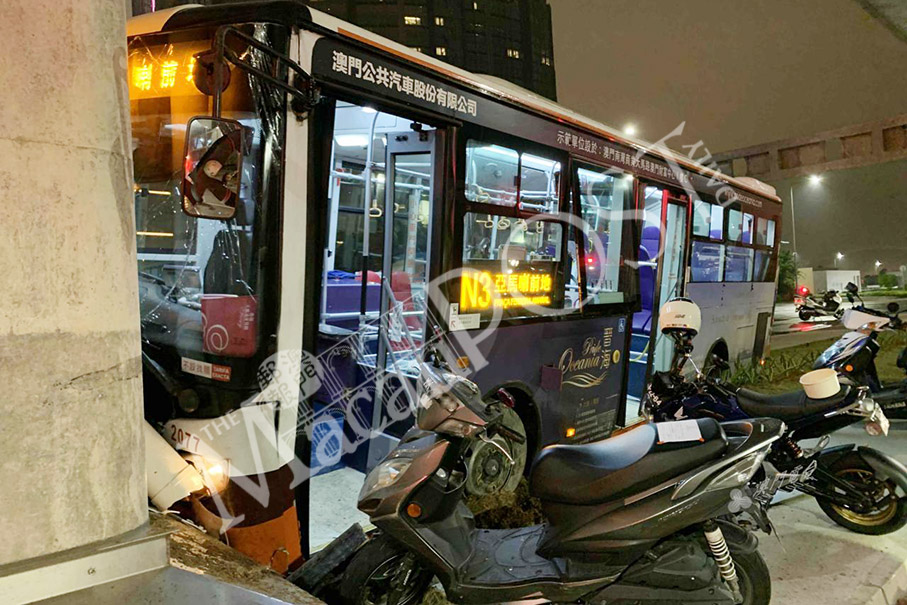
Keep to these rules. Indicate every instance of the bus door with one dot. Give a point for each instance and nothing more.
(661, 274)
(383, 181)
(411, 178)
(671, 281)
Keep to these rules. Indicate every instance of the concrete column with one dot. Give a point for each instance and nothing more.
(71, 450)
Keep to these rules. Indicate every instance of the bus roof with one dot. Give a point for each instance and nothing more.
(296, 13)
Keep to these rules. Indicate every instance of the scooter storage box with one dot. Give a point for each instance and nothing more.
(820, 384)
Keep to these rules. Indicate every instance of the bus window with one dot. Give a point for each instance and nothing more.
(572, 296)
(605, 200)
(747, 228)
(739, 264)
(493, 237)
(734, 225)
(491, 174)
(763, 260)
(348, 186)
(707, 262)
(765, 234)
(539, 178)
(509, 262)
(708, 220)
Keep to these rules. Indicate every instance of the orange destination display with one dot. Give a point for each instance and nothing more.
(164, 70)
(483, 290)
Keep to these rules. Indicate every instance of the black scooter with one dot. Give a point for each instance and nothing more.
(859, 488)
(854, 354)
(638, 518)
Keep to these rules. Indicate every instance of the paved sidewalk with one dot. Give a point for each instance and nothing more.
(822, 563)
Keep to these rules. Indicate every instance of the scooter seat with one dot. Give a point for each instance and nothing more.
(787, 406)
(626, 464)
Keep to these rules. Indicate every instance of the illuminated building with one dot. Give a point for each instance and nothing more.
(509, 39)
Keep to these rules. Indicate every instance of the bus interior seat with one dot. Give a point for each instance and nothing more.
(373, 277)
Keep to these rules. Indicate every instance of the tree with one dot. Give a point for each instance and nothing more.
(787, 275)
(888, 280)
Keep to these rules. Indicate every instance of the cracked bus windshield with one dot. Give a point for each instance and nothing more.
(199, 284)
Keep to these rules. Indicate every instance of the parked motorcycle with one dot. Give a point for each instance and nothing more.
(859, 488)
(638, 518)
(811, 305)
(854, 354)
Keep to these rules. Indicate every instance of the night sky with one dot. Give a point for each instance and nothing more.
(740, 73)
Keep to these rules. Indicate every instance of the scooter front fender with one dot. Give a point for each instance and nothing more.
(885, 466)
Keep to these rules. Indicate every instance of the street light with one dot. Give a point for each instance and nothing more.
(814, 180)
(878, 264)
(630, 129)
(838, 256)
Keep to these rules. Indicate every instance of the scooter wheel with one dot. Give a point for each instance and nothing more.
(805, 315)
(753, 575)
(489, 471)
(888, 516)
(379, 569)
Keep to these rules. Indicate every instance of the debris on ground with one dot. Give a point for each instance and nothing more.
(507, 510)
(195, 551)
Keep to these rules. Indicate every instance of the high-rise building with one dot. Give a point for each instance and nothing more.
(510, 39)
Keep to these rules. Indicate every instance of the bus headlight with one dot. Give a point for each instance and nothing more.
(215, 473)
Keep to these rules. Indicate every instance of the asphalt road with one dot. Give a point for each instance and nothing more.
(788, 330)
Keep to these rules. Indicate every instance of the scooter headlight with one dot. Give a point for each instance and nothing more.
(387, 473)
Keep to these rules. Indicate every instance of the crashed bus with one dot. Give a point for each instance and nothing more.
(315, 205)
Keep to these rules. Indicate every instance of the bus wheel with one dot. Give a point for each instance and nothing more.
(489, 469)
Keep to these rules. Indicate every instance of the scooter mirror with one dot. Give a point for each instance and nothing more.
(893, 308)
(719, 362)
(852, 288)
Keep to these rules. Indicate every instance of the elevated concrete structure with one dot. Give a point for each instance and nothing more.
(71, 450)
(839, 149)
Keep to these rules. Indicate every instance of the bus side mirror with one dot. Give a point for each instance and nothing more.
(213, 167)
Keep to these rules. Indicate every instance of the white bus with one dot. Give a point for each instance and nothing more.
(332, 178)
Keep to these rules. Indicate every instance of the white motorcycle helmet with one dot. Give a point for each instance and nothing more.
(680, 315)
